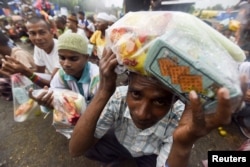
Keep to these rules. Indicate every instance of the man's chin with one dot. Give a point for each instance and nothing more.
(41, 45)
(69, 72)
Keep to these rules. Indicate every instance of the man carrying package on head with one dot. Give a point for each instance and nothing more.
(76, 74)
(144, 121)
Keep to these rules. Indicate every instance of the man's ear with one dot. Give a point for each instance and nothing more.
(52, 31)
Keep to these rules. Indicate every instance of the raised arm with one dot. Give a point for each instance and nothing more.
(195, 124)
(83, 136)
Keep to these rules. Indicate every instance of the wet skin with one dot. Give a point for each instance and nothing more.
(148, 101)
(72, 62)
(41, 35)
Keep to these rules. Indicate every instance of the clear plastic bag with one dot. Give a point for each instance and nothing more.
(180, 50)
(68, 106)
(24, 107)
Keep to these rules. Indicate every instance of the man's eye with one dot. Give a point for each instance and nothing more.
(31, 33)
(61, 58)
(135, 94)
(42, 33)
(160, 102)
(74, 58)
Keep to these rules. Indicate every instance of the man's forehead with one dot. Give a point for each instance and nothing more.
(41, 24)
(68, 52)
(146, 81)
(146, 78)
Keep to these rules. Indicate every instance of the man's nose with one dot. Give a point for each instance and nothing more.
(143, 111)
(38, 36)
(67, 63)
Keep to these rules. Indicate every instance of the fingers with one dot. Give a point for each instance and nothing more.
(108, 61)
(245, 91)
(197, 110)
(45, 98)
(7, 67)
(244, 84)
(11, 65)
(11, 59)
(224, 109)
(5, 73)
(107, 52)
(31, 94)
(104, 52)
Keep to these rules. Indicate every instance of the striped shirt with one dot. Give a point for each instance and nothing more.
(154, 140)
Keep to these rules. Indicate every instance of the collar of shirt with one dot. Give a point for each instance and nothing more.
(159, 129)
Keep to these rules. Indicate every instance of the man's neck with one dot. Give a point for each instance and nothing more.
(103, 33)
(74, 29)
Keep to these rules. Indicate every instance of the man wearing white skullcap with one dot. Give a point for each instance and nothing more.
(113, 19)
(98, 38)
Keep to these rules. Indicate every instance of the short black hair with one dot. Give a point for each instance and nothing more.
(34, 20)
(73, 14)
(81, 13)
(62, 19)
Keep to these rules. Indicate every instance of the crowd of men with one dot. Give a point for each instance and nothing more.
(142, 121)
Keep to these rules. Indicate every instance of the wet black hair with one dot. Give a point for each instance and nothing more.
(34, 20)
(151, 78)
(62, 19)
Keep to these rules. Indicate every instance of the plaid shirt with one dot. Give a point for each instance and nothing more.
(154, 140)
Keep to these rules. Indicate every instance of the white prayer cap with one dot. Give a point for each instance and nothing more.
(103, 17)
(112, 18)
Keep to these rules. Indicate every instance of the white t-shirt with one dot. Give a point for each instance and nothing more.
(91, 27)
(50, 61)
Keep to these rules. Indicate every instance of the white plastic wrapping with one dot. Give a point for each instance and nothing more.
(179, 49)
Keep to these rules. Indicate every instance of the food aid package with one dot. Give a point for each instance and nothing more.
(68, 106)
(24, 107)
(180, 50)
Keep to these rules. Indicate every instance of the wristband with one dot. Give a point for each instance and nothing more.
(32, 76)
(35, 78)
